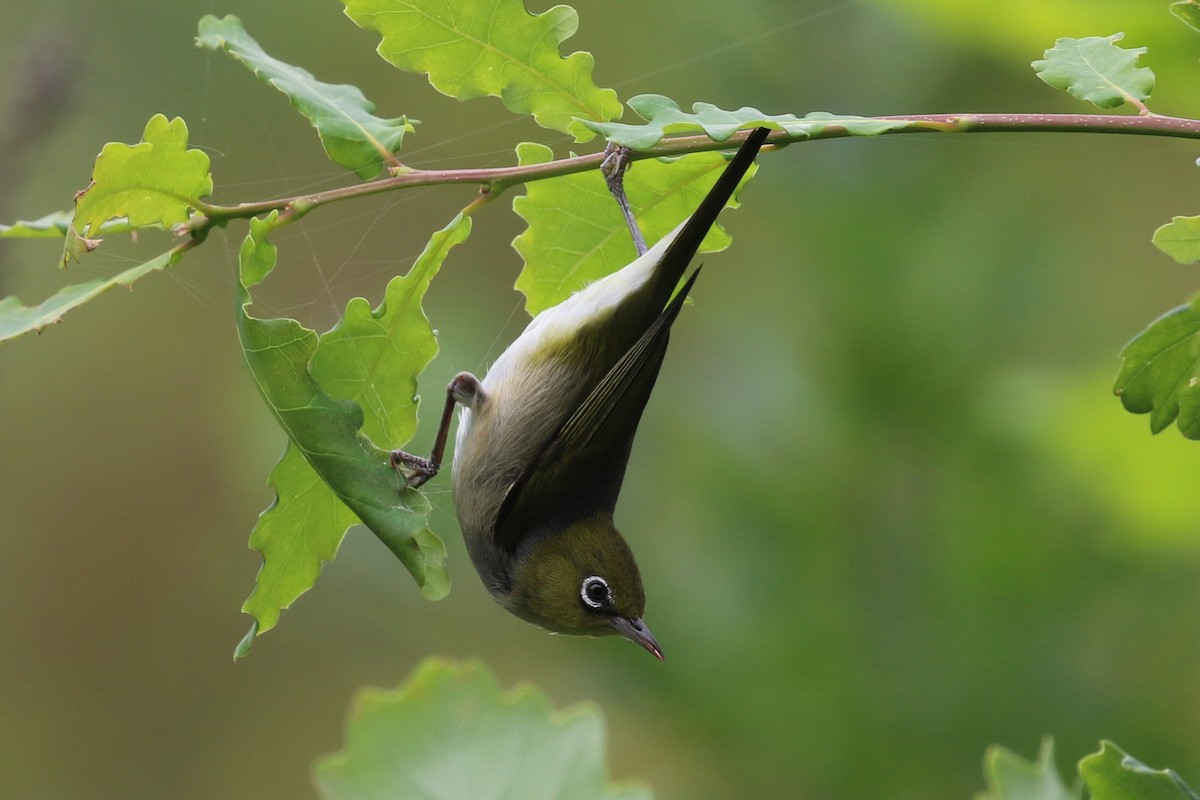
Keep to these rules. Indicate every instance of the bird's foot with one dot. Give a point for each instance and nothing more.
(616, 161)
(415, 470)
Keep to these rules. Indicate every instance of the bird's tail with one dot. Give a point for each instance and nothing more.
(681, 250)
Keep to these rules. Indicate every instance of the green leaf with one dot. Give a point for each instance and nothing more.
(297, 535)
(1189, 12)
(1096, 70)
(665, 118)
(370, 360)
(55, 226)
(1180, 239)
(351, 135)
(256, 256)
(1010, 777)
(1160, 373)
(450, 732)
(1113, 775)
(16, 319)
(51, 226)
(156, 183)
(493, 48)
(373, 357)
(576, 233)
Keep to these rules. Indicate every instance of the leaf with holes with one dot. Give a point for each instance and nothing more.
(1096, 70)
(352, 136)
(493, 48)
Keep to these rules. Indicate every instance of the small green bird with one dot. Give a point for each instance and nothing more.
(544, 439)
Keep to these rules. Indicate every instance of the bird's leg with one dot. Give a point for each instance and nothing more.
(464, 389)
(616, 161)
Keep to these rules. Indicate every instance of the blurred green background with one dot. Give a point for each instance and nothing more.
(886, 507)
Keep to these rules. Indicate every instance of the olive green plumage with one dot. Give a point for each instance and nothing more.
(556, 567)
(544, 439)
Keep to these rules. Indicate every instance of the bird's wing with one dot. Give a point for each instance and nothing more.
(580, 470)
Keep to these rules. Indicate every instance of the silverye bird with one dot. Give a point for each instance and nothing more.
(543, 440)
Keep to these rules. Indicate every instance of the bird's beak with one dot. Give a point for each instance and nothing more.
(636, 631)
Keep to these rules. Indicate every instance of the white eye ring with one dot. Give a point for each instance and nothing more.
(588, 588)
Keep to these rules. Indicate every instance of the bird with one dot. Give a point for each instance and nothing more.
(544, 438)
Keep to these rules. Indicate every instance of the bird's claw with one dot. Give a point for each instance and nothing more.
(414, 469)
(616, 161)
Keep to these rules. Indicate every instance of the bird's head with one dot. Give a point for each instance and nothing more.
(582, 581)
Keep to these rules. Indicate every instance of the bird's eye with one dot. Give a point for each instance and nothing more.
(595, 592)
